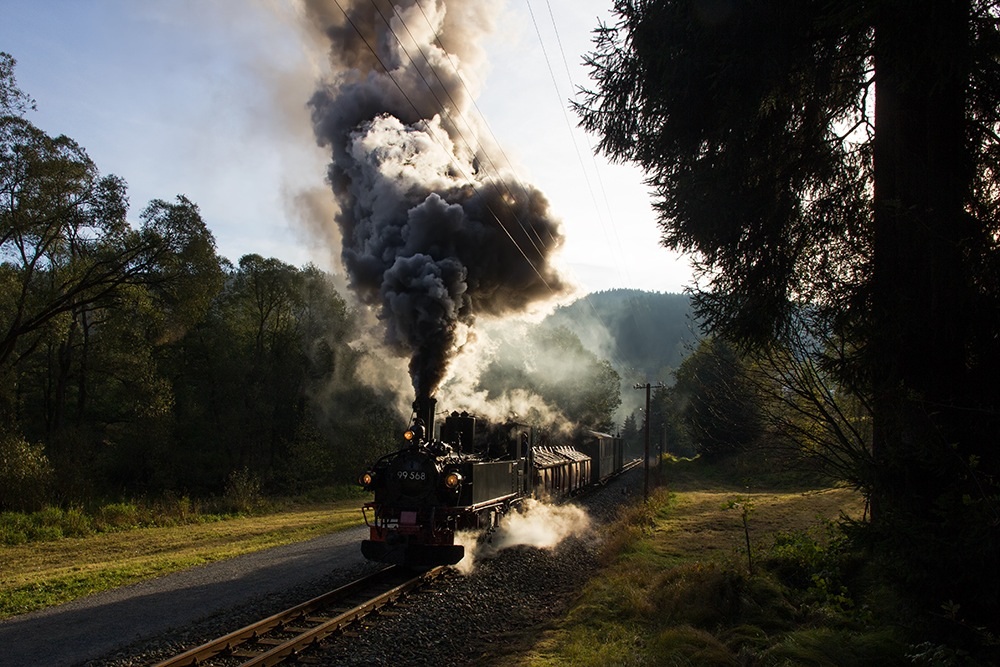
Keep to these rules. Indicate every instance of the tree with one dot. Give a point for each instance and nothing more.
(134, 359)
(267, 381)
(13, 100)
(187, 272)
(720, 408)
(806, 408)
(64, 240)
(841, 156)
(65, 243)
(631, 434)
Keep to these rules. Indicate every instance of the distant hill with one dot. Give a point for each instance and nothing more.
(645, 335)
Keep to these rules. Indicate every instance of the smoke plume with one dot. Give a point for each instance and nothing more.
(434, 233)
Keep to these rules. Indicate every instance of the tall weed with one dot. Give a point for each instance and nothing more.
(243, 495)
(25, 473)
(119, 516)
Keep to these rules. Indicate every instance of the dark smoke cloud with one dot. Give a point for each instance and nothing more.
(433, 235)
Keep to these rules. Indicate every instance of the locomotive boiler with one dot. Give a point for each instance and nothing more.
(468, 478)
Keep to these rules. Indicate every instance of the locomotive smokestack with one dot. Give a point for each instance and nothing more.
(424, 408)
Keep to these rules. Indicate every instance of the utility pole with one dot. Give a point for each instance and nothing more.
(645, 488)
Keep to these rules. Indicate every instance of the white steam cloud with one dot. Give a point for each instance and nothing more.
(536, 524)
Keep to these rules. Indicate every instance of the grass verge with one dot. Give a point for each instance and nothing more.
(679, 586)
(40, 574)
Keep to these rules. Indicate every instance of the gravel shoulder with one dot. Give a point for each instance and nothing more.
(495, 613)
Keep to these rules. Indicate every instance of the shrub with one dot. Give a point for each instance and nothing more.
(25, 473)
(13, 528)
(50, 523)
(76, 524)
(172, 510)
(118, 516)
(243, 492)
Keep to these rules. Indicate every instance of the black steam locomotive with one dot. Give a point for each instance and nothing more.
(467, 479)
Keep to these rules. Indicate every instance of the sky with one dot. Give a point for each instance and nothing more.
(207, 99)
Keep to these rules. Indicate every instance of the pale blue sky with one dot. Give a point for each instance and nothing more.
(206, 98)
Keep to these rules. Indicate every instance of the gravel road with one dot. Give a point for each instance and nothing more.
(89, 630)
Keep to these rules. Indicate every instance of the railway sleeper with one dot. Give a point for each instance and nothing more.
(267, 641)
(298, 629)
(244, 653)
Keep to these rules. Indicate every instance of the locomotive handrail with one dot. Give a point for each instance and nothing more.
(499, 500)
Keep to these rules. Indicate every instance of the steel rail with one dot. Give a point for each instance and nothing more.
(230, 645)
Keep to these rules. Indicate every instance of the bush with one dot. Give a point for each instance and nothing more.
(51, 523)
(118, 516)
(76, 524)
(13, 528)
(173, 510)
(25, 474)
(243, 494)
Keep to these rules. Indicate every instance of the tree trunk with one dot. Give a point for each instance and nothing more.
(64, 365)
(83, 377)
(934, 510)
(920, 293)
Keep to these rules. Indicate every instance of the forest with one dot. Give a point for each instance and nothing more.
(643, 334)
(135, 362)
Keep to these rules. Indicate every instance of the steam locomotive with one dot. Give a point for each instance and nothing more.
(468, 479)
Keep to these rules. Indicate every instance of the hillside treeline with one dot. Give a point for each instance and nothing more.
(646, 335)
(136, 360)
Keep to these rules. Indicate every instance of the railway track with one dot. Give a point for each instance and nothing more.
(287, 634)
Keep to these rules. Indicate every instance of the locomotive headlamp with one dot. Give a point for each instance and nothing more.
(452, 480)
(366, 479)
(408, 435)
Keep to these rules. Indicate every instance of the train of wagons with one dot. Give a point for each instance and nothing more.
(468, 478)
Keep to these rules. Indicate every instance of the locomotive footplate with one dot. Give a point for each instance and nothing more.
(405, 553)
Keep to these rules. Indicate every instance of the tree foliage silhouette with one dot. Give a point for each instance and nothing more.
(840, 157)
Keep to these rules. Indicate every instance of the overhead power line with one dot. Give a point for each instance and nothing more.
(454, 161)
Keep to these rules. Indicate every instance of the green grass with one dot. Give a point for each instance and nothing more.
(37, 574)
(55, 523)
(676, 589)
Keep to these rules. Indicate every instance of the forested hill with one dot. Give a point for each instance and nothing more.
(643, 334)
